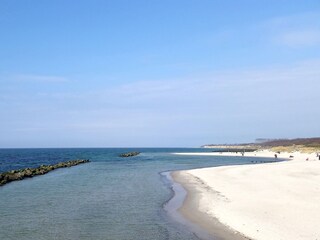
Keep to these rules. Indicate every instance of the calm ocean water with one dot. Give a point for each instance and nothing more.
(108, 198)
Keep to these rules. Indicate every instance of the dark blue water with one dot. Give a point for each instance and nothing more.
(13, 159)
(108, 198)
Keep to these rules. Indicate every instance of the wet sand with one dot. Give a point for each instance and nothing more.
(209, 228)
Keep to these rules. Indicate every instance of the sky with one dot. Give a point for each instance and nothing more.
(157, 73)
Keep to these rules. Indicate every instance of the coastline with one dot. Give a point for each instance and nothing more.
(257, 154)
(203, 225)
(256, 201)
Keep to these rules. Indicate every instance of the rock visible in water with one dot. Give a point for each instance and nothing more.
(129, 154)
(15, 175)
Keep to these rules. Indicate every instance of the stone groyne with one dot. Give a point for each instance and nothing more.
(16, 175)
(129, 154)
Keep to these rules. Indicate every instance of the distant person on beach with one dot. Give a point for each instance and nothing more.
(275, 156)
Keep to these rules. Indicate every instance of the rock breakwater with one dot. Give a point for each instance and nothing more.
(16, 175)
(129, 154)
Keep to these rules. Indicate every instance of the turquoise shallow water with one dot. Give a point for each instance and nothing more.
(108, 198)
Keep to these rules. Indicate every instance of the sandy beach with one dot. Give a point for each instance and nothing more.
(258, 201)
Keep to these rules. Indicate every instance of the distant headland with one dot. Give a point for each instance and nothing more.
(307, 145)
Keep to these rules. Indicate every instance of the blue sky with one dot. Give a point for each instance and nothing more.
(157, 73)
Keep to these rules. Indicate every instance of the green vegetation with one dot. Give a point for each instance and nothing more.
(305, 145)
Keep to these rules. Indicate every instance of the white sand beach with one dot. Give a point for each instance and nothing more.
(262, 154)
(277, 201)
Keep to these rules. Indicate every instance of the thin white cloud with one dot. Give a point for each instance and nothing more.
(299, 38)
(295, 20)
(272, 101)
(300, 30)
(39, 78)
(191, 89)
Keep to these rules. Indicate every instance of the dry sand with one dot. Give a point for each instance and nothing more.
(274, 201)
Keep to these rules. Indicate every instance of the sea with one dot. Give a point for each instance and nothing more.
(110, 198)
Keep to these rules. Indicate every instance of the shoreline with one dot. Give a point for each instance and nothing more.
(203, 225)
(254, 201)
(258, 154)
(172, 206)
